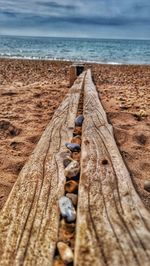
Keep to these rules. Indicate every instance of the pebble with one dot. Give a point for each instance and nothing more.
(77, 131)
(66, 231)
(147, 186)
(65, 252)
(142, 113)
(73, 197)
(67, 161)
(125, 106)
(58, 262)
(76, 156)
(79, 120)
(67, 209)
(73, 146)
(65, 154)
(122, 99)
(70, 227)
(72, 169)
(76, 139)
(71, 186)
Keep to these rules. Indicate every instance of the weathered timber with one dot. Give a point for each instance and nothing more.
(75, 71)
(30, 218)
(112, 222)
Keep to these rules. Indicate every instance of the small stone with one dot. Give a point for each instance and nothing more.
(58, 262)
(66, 157)
(76, 139)
(122, 99)
(72, 169)
(76, 156)
(67, 209)
(73, 146)
(79, 120)
(66, 231)
(67, 161)
(70, 227)
(73, 197)
(65, 236)
(142, 113)
(65, 252)
(147, 186)
(71, 186)
(125, 106)
(77, 131)
(65, 154)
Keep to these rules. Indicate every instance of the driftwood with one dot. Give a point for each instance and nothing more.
(30, 218)
(112, 222)
(75, 71)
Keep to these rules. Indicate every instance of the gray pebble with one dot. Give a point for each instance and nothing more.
(73, 147)
(67, 161)
(67, 209)
(147, 186)
(79, 120)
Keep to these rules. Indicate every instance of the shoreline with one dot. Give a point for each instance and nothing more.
(74, 61)
(31, 91)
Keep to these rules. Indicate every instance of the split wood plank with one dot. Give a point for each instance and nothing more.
(113, 226)
(30, 218)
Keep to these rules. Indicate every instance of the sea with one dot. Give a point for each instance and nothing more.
(104, 51)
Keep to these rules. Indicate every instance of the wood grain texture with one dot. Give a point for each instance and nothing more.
(30, 218)
(112, 222)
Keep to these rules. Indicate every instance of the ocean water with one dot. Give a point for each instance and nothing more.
(76, 49)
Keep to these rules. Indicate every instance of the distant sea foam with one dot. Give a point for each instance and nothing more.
(105, 51)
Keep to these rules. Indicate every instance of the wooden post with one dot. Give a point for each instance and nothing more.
(75, 71)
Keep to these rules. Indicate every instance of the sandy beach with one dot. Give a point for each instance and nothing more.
(30, 92)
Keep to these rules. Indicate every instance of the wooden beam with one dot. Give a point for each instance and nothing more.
(75, 70)
(112, 222)
(30, 218)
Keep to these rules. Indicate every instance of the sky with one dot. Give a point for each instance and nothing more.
(76, 18)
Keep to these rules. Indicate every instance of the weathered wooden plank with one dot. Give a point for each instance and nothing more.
(75, 71)
(30, 218)
(112, 222)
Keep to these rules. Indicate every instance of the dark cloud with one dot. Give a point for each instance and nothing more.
(92, 17)
(77, 20)
(8, 13)
(56, 5)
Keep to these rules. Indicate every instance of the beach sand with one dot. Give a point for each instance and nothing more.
(30, 92)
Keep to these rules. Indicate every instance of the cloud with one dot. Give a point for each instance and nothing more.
(92, 17)
(56, 5)
(8, 14)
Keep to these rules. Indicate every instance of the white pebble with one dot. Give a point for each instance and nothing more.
(72, 169)
(67, 209)
(65, 252)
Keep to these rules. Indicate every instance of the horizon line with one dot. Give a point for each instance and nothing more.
(77, 37)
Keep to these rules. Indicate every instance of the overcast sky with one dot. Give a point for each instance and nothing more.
(76, 18)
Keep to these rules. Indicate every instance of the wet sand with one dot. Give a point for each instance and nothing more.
(30, 92)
